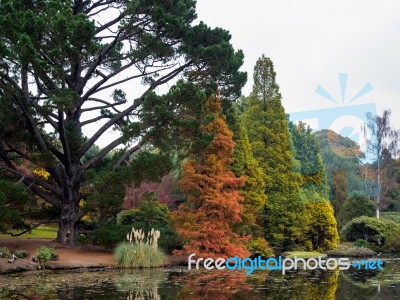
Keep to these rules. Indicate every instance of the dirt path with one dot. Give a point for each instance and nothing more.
(69, 257)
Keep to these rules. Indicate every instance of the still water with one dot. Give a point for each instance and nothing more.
(180, 283)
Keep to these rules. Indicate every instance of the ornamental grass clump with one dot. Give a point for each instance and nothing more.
(140, 250)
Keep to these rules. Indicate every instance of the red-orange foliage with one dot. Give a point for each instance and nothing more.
(213, 200)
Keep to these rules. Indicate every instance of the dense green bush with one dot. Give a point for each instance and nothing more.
(370, 229)
(260, 247)
(393, 240)
(319, 225)
(21, 253)
(361, 243)
(13, 199)
(383, 233)
(44, 255)
(108, 235)
(151, 214)
(5, 252)
(354, 207)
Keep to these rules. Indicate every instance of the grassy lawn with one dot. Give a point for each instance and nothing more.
(42, 232)
(302, 254)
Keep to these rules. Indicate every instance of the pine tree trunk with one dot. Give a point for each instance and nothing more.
(69, 216)
(67, 230)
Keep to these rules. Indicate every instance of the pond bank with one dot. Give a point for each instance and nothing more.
(78, 258)
(351, 251)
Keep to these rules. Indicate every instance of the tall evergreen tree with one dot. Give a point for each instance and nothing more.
(265, 121)
(253, 193)
(319, 223)
(213, 205)
(265, 87)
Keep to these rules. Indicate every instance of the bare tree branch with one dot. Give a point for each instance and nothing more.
(84, 123)
(136, 103)
(96, 63)
(127, 154)
(103, 153)
(64, 141)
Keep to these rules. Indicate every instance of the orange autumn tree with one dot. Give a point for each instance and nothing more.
(213, 205)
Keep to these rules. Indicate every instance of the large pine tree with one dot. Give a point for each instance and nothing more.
(265, 121)
(205, 221)
(62, 71)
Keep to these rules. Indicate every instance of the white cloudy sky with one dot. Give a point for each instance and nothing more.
(311, 41)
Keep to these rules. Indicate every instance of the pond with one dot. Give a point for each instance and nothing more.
(181, 283)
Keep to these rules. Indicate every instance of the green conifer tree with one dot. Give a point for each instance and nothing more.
(265, 121)
(319, 223)
(253, 193)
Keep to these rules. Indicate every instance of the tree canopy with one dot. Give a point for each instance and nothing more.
(61, 60)
(213, 207)
(265, 121)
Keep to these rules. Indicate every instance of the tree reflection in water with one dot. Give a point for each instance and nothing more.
(142, 284)
(181, 283)
(216, 284)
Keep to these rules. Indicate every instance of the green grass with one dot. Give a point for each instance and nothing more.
(302, 254)
(42, 232)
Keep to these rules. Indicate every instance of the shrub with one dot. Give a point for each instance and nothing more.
(361, 243)
(13, 199)
(319, 225)
(108, 235)
(83, 238)
(140, 251)
(45, 254)
(392, 243)
(166, 191)
(372, 230)
(21, 253)
(354, 207)
(4, 252)
(151, 214)
(382, 232)
(259, 247)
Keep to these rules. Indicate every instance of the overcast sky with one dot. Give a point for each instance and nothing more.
(311, 42)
